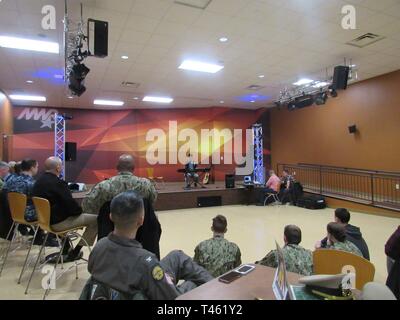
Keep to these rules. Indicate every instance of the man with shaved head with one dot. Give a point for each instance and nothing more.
(106, 190)
(65, 211)
(98, 202)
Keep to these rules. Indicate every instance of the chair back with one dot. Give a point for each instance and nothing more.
(42, 207)
(150, 173)
(328, 261)
(17, 204)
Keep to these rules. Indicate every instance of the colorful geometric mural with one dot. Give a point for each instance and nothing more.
(102, 136)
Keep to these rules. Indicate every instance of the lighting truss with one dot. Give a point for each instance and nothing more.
(258, 174)
(59, 140)
(74, 39)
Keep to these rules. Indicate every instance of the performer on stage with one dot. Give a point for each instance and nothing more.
(191, 174)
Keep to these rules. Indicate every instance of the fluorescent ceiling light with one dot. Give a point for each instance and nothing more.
(200, 66)
(261, 76)
(28, 44)
(303, 82)
(124, 57)
(158, 99)
(223, 39)
(24, 97)
(320, 84)
(108, 103)
(222, 102)
(29, 81)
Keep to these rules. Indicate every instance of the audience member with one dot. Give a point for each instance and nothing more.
(23, 183)
(106, 190)
(120, 262)
(65, 211)
(336, 239)
(286, 187)
(392, 250)
(217, 255)
(353, 233)
(4, 173)
(297, 259)
(272, 186)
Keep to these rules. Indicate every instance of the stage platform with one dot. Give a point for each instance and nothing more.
(172, 195)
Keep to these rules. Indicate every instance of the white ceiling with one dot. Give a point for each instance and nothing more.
(282, 39)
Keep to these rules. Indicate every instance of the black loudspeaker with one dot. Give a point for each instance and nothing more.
(209, 201)
(70, 151)
(340, 78)
(353, 129)
(229, 181)
(98, 38)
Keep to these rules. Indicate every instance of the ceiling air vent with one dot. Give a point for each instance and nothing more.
(198, 4)
(128, 84)
(365, 40)
(255, 87)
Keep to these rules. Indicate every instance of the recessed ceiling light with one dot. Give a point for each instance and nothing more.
(70, 97)
(261, 76)
(158, 99)
(200, 66)
(222, 101)
(23, 97)
(136, 98)
(124, 57)
(29, 81)
(303, 82)
(28, 44)
(252, 101)
(108, 103)
(223, 39)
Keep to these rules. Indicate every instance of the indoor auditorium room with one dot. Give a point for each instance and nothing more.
(199, 150)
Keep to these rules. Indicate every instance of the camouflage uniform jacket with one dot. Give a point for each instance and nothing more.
(23, 184)
(346, 246)
(106, 190)
(297, 259)
(217, 255)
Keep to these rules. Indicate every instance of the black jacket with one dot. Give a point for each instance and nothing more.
(392, 249)
(148, 235)
(354, 235)
(50, 187)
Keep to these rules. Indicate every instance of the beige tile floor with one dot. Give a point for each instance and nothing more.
(253, 228)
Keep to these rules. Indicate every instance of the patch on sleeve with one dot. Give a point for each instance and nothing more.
(157, 273)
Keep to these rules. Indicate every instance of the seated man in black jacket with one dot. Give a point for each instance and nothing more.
(353, 233)
(65, 211)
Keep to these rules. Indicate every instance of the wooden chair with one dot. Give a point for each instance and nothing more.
(329, 261)
(17, 204)
(153, 179)
(43, 211)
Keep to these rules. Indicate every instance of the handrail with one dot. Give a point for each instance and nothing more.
(390, 173)
(371, 187)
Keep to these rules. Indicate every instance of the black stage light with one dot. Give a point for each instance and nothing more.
(291, 106)
(80, 71)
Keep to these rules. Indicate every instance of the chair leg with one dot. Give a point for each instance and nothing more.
(15, 225)
(266, 198)
(36, 263)
(55, 268)
(27, 255)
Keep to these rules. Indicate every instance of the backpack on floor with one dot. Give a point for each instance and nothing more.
(312, 202)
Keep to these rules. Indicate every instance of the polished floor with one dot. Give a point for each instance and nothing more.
(254, 229)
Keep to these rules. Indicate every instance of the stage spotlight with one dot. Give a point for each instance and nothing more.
(321, 98)
(291, 106)
(77, 78)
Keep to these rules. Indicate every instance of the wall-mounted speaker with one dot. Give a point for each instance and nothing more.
(340, 78)
(353, 129)
(70, 151)
(98, 38)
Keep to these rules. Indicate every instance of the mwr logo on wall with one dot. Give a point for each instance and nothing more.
(34, 120)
